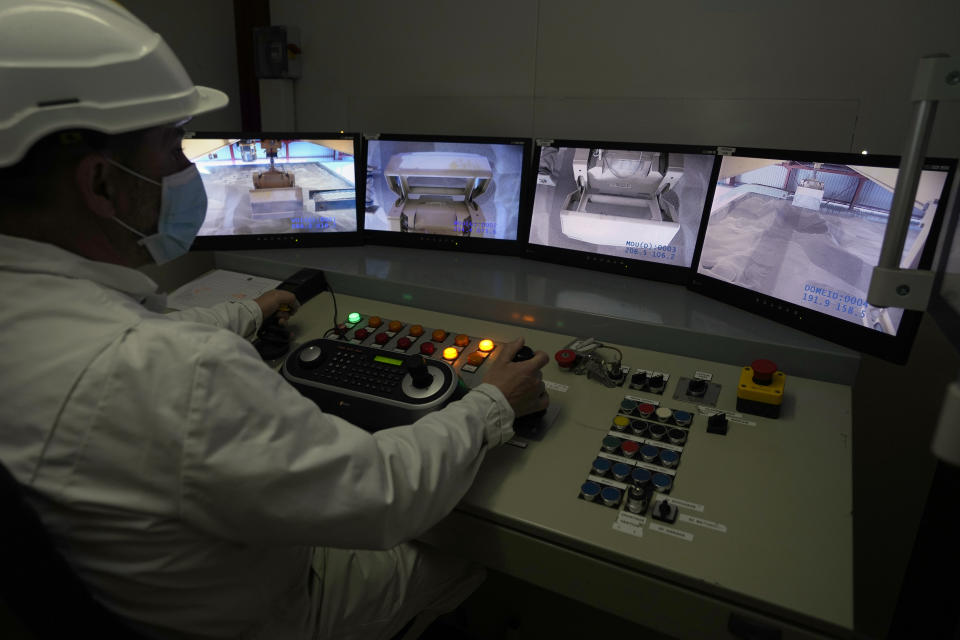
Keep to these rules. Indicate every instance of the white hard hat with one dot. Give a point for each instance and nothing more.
(74, 64)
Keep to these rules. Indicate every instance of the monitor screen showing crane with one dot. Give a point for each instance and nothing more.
(274, 186)
(444, 191)
(800, 234)
(622, 207)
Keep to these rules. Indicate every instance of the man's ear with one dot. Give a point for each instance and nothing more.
(97, 189)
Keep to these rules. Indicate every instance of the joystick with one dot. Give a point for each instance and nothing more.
(419, 372)
(273, 339)
(530, 424)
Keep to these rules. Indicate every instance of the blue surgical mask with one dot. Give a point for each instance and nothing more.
(183, 206)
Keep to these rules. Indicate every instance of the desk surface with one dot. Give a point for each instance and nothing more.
(766, 510)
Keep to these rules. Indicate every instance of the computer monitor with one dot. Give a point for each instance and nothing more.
(795, 236)
(445, 192)
(945, 300)
(620, 207)
(268, 190)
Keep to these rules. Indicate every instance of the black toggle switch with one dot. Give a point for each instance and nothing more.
(665, 512)
(697, 387)
(717, 423)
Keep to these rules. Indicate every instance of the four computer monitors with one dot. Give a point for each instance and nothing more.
(791, 235)
(269, 190)
(795, 236)
(445, 192)
(626, 208)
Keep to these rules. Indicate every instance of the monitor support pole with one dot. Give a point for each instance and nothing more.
(937, 78)
(922, 608)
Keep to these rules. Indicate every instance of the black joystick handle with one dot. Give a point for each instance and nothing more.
(273, 339)
(420, 372)
(530, 423)
(523, 354)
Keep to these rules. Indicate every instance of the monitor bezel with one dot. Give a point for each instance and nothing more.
(451, 243)
(675, 274)
(896, 348)
(945, 313)
(288, 240)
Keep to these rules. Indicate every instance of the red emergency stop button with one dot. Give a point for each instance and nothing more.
(763, 371)
(565, 358)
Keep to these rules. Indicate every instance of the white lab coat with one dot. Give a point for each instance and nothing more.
(185, 480)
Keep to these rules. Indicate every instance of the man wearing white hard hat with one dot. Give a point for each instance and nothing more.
(194, 492)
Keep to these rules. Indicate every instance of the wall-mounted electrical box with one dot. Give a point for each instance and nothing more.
(276, 52)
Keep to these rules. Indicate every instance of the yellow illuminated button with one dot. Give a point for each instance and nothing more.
(486, 345)
(395, 326)
(416, 330)
(475, 359)
(462, 340)
(375, 321)
(439, 335)
(450, 353)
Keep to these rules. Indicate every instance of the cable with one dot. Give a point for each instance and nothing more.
(335, 313)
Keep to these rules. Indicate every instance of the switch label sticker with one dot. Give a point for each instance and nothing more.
(676, 533)
(700, 522)
(630, 524)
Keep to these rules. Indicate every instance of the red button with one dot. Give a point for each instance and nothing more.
(629, 448)
(404, 343)
(763, 371)
(382, 338)
(361, 334)
(427, 348)
(645, 409)
(565, 358)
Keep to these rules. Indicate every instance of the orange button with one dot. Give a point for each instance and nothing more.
(486, 345)
(416, 330)
(476, 359)
(450, 353)
(462, 340)
(375, 321)
(439, 335)
(395, 326)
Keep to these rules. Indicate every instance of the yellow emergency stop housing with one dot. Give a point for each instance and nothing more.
(760, 399)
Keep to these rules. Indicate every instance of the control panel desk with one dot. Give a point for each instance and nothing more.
(763, 540)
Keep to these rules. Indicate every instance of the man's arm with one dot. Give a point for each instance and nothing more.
(243, 317)
(264, 464)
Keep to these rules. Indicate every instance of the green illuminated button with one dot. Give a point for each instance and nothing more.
(353, 317)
